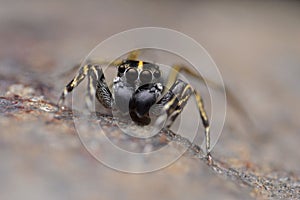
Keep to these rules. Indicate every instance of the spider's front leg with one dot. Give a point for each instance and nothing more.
(174, 101)
(97, 86)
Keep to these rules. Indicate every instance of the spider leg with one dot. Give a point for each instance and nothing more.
(97, 86)
(173, 79)
(103, 93)
(176, 69)
(73, 83)
(232, 99)
(174, 101)
(204, 119)
(133, 55)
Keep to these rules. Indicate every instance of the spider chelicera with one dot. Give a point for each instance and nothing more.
(137, 87)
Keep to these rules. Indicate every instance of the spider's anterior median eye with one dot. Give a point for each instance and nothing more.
(157, 74)
(146, 76)
(131, 75)
(121, 69)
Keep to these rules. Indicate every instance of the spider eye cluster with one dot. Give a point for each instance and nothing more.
(145, 76)
(132, 71)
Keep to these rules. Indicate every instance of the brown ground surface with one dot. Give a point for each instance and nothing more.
(256, 47)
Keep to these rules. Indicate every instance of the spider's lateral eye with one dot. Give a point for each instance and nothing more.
(121, 68)
(146, 76)
(157, 74)
(131, 75)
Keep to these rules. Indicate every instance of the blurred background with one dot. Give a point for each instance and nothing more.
(255, 44)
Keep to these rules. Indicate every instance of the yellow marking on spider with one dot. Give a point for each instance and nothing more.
(95, 71)
(185, 89)
(183, 100)
(140, 65)
(85, 72)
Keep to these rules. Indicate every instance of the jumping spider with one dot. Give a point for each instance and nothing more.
(139, 85)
